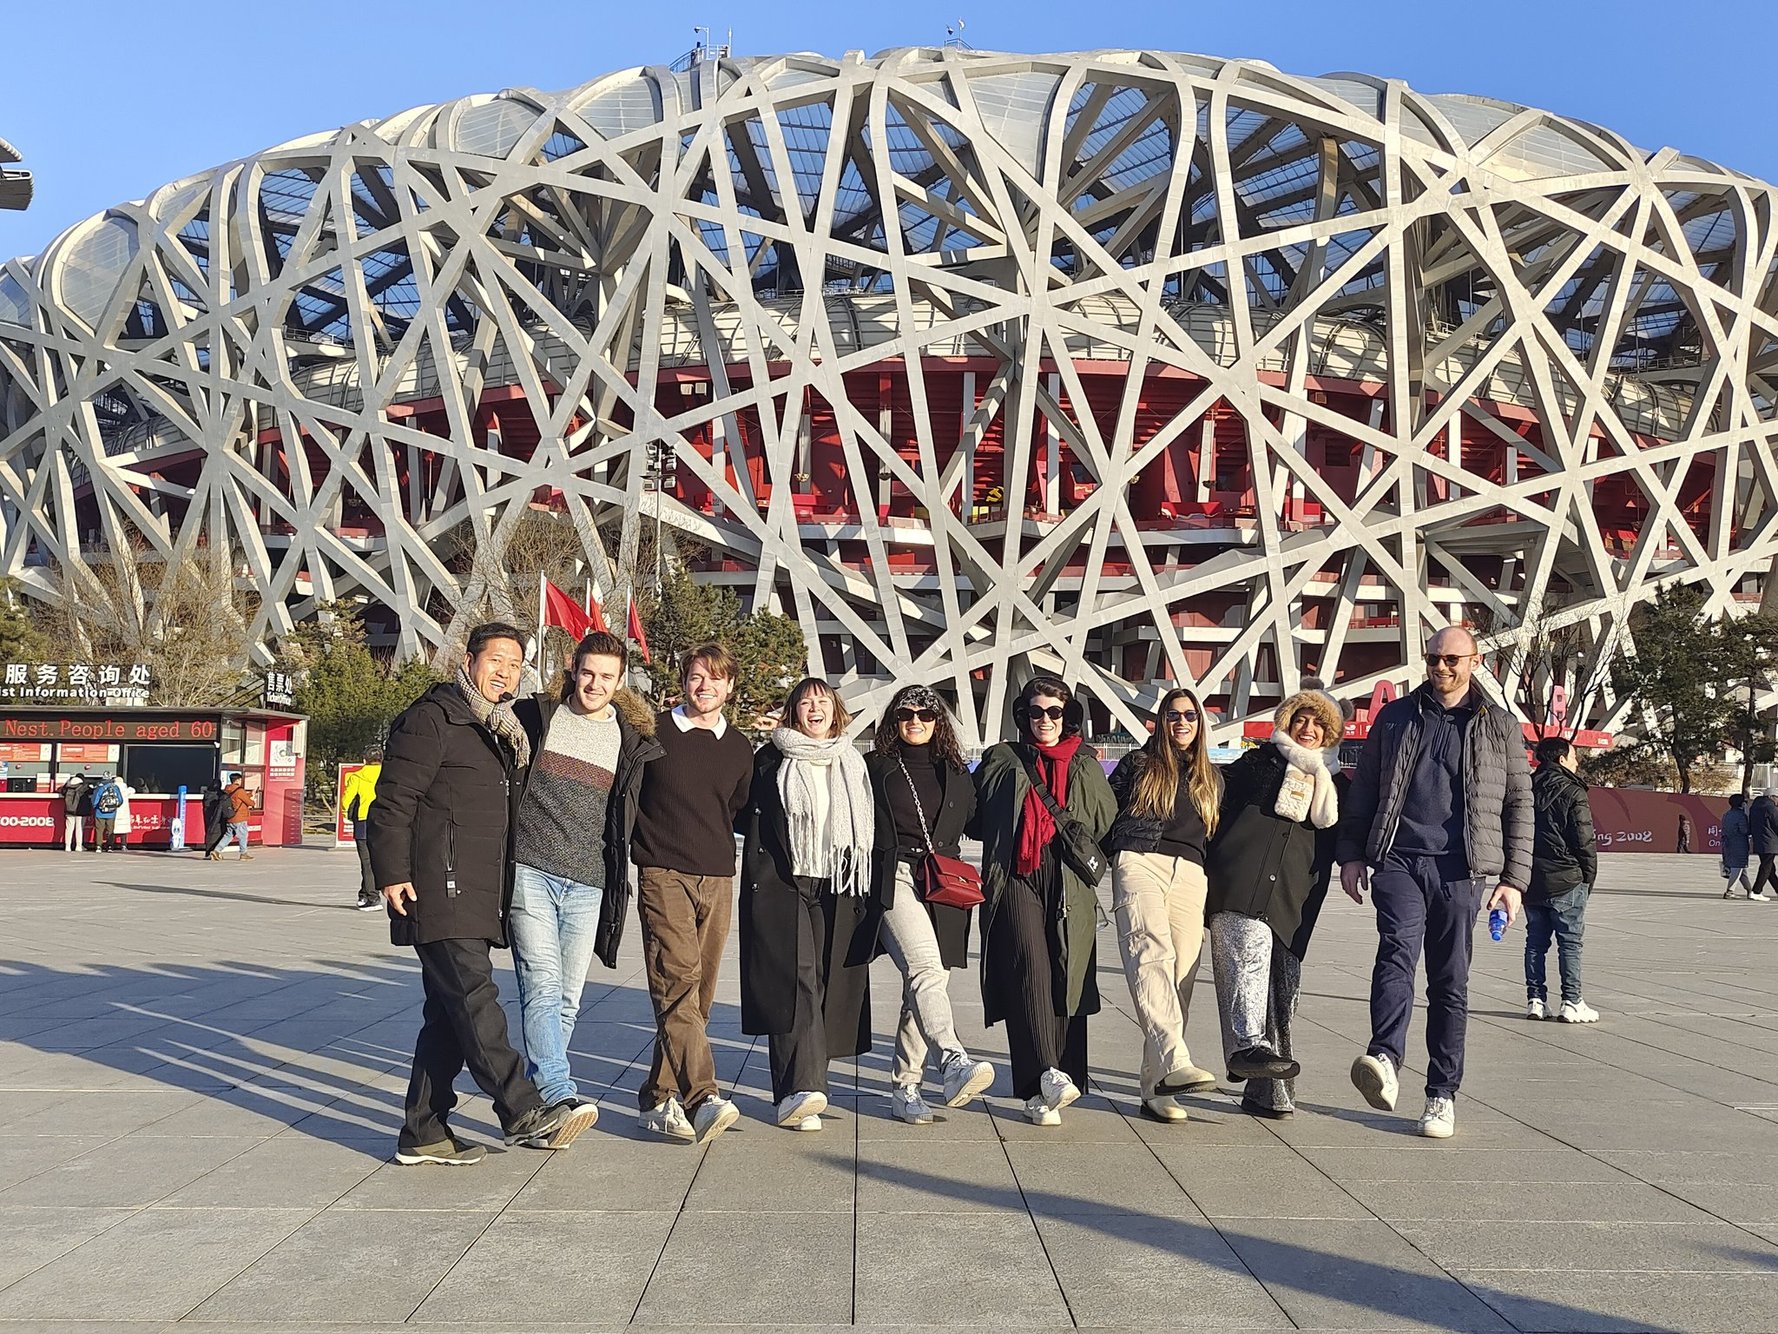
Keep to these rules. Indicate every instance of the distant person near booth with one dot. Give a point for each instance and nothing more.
(77, 799)
(107, 797)
(238, 806)
(215, 815)
(360, 794)
(121, 825)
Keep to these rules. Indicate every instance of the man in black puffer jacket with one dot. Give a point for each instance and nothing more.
(1564, 867)
(1440, 812)
(441, 849)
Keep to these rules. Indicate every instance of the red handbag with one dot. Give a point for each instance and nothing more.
(949, 882)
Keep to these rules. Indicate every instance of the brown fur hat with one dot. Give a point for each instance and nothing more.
(1323, 705)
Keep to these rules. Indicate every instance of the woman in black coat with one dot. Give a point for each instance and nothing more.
(1268, 869)
(805, 881)
(925, 802)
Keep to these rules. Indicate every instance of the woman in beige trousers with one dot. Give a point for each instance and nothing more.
(1168, 794)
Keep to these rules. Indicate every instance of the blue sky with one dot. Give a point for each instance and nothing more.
(109, 100)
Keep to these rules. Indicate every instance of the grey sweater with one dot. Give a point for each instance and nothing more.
(561, 828)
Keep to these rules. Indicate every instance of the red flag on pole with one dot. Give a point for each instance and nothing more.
(636, 632)
(595, 608)
(559, 609)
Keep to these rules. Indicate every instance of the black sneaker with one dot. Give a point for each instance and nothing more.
(1259, 1063)
(446, 1153)
(368, 904)
(552, 1127)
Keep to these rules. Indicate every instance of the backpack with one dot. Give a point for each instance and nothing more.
(109, 800)
(74, 798)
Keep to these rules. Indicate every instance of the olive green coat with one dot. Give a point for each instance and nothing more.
(1001, 782)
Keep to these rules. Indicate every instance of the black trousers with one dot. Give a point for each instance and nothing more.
(1024, 950)
(799, 1057)
(367, 885)
(463, 1025)
(1768, 873)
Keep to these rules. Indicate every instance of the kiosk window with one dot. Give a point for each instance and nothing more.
(164, 769)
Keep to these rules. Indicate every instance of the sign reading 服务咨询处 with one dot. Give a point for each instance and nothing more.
(76, 682)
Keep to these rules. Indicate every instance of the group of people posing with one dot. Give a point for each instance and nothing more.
(502, 821)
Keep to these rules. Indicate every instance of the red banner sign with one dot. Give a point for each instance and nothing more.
(106, 729)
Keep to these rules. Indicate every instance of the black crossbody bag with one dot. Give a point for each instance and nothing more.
(1079, 849)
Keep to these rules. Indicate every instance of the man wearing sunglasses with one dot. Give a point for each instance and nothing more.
(1439, 816)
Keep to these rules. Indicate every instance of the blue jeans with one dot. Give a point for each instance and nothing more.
(553, 923)
(1563, 916)
(236, 830)
(1428, 903)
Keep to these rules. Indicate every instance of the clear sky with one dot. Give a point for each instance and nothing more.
(108, 100)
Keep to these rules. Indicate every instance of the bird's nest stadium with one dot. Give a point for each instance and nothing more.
(1127, 366)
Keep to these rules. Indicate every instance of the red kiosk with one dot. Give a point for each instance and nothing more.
(157, 751)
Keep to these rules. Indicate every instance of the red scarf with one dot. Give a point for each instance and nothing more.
(1036, 826)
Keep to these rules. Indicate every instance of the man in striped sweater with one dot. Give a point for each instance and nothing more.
(590, 743)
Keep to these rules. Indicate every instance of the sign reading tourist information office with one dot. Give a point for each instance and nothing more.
(157, 751)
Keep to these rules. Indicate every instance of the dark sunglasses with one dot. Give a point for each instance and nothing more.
(1054, 712)
(1449, 659)
(916, 716)
(1181, 715)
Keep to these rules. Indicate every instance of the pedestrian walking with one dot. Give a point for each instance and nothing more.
(1269, 867)
(809, 831)
(925, 803)
(1685, 833)
(1440, 811)
(590, 740)
(1044, 805)
(237, 800)
(77, 800)
(441, 848)
(1762, 819)
(359, 796)
(1564, 868)
(685, 851)
(107, 797)
(1168, 796)
(1736, 842)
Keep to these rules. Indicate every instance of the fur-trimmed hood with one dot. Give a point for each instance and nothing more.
(1333, 721)
(634, 710)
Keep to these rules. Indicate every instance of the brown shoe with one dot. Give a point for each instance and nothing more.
(245, 856)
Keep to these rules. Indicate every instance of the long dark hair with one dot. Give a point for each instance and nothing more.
(944, 732)
(1157, 782)
(1074, 714)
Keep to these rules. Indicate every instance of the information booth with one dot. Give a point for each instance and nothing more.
(157, 751)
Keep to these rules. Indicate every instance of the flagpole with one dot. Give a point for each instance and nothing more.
(541, 624)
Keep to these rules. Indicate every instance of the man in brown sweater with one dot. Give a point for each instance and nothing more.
(684, 848)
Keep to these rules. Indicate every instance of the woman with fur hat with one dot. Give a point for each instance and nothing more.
(1167, 804)
(1039, 965)
(1268, 867)
(924, 803)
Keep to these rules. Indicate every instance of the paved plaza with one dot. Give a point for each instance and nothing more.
(201, 1068)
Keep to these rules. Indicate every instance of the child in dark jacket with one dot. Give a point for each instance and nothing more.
(1564, 866)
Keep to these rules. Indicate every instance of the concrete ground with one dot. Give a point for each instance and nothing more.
(201, 1068)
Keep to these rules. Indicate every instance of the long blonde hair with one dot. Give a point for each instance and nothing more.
(1157, 782)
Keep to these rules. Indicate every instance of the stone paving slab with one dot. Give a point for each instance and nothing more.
(201, 1070)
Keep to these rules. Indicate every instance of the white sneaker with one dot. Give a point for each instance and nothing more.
(1761, 897)
(906, 1104)
(1578, 1012)
(668, 1119)
(1439, 1120)
(1055, 1090)
(1166, 1109)
(800, 1107)
(808, 1123)
(1534, 1009)
(965, 1079)
(1374, 1076)
(715, 1115)
(1039, 1113)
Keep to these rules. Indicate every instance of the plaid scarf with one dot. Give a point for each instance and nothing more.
(497, 718)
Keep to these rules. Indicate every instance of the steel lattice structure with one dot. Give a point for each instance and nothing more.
(1124, 365)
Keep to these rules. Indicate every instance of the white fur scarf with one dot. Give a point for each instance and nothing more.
(1308, 791)
(843, 849)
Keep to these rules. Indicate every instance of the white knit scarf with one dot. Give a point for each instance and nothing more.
(1308, 791)
(843, 849)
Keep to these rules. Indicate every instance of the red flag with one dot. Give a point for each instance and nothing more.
(636, 631)
(559, 609)
(595, 609)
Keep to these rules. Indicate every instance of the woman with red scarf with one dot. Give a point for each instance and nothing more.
(1038, 916)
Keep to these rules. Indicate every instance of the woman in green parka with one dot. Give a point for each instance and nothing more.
(1039, 917)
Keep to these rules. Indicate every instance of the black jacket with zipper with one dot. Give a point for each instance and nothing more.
(1565, 854)
(636, 747)
(952, 822)
(444, 822)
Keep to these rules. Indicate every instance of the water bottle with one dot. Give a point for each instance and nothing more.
(1497, 923)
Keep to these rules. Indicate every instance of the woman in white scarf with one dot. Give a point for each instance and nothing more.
(1268, 869)
(810, 825)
